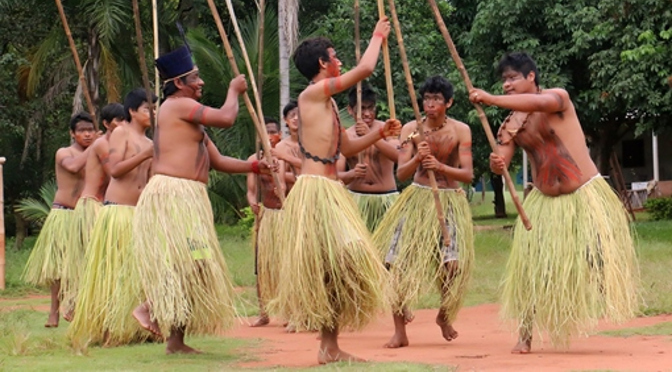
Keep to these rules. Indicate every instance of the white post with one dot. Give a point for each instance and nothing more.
(656, 170)
(524, 169)
(2, 229)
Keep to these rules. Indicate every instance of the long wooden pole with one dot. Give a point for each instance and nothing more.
(78, 64)
(479, 109)
(260, 56)
(418, 119)
(2, 227)
(143, 62)
(157, 78)
(261, 127)
(388, 70)
(358, 112)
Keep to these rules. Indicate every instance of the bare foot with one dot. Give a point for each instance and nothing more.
(290, 328)
(325, 356)
(447, 330)
(141, 314)
(181, 349)
(261, 321)
(69, 315)
(522, 347)
(52, 322)
(408, 316)
(397, 341)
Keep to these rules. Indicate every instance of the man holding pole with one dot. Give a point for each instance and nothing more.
(578, 262)
(417, 252)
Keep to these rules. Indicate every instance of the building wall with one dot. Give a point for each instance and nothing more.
(636, 158)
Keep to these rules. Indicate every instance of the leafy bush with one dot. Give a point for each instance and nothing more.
(660, 208)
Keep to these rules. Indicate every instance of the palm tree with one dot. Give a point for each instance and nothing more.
(37, 210)
(288, 29)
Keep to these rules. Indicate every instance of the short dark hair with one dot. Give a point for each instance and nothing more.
(169, 87)
(368, 95)
(80, 116)
(519, 62)
(291, 105)
(270, 120)
(308, 54)
(437, 84)
(134, 99)
(112, 111)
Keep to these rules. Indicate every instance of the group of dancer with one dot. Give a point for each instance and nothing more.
(344, 245)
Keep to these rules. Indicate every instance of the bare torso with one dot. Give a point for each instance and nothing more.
(69, 185)
(444, 144)
(126, 190)
(179, 146)
(380, 170)
(556, 146)
(319, 132)
(96, 179)
(291, 147)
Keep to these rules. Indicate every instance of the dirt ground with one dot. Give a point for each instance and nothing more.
(484, 344)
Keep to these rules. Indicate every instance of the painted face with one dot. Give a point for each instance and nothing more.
(84, 133)
(334, 64)
(273, 133)
(368, 112)
(142, 115)
(435, 105)
(513, 82)
(194, 83)
(292, 119)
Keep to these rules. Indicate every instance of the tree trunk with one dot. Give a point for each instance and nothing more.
(20, 231)
(605, 144)
(498, 188)
(288, 25)
(93, 68)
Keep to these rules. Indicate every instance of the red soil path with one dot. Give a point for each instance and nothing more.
(484, 344)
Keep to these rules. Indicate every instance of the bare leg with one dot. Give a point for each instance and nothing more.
(55, 304)
(524, 345)
(447, 331)
(329, 350)
(263, 317)
(408, 315)
(143, 316)
(399, 339)
(176, 345)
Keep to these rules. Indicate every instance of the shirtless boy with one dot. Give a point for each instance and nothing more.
(288, 148)
(580, 240)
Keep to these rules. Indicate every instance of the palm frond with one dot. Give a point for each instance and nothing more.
(37, 210)
(107, 16)
(110, 72)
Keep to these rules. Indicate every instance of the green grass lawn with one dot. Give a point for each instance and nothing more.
(27, 346)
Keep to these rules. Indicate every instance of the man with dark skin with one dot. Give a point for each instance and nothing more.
(288, 148)
(44, 265)
(580, 240)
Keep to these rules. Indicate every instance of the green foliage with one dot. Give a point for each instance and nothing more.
(659, 208)
(37, 210)
(247, 221)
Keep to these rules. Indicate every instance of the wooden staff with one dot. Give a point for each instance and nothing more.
(78, 64)
(143, 62)
(157, 78)
(358, 115)
(2, 228)
(479, 109)
(261, 127)
(388, 70)
(418, 119)
(260, 57)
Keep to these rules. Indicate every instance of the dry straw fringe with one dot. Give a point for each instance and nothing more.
(418, 262)
(576, 265)
(182, 269)
(74, 263)
(331, 274)
(45, 264)
(268, 252)
(373, 207)
(110, 288)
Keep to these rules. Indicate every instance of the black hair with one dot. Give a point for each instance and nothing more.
(307, 56)
(368, 95)
(269, 120)
(169, 88)
(519, 62)
(437, 84)
(80, 116)
(112, 111)
(134, 99)
(291, 105)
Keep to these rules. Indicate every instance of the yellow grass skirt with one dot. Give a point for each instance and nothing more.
(331, 274)
(110, 287)
(373, 206)
(268, 252)
(576, 265)
(182, 269)
(74, 263)
(410, 238)
(45, 264)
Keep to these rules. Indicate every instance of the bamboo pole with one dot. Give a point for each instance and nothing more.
(157, 78)
(358, 112)
(78, 64)
(143, 62)
(2, 227)
(260, 56)
(479, 109)
(388, 70)
(418, 119)
(261, 127)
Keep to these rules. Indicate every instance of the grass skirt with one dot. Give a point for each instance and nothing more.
(268, 253)
(45, 264)
(576, 265)
(182, 269)
(110, 287)
(74, 263)
(331, 274)
(373, 207)
(410, 238)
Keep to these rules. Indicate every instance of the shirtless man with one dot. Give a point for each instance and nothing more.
(345, 289)
(371, 182)
(44, 265)
(418, 255)
(288, 149)
(173, 220)
(580, 238)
